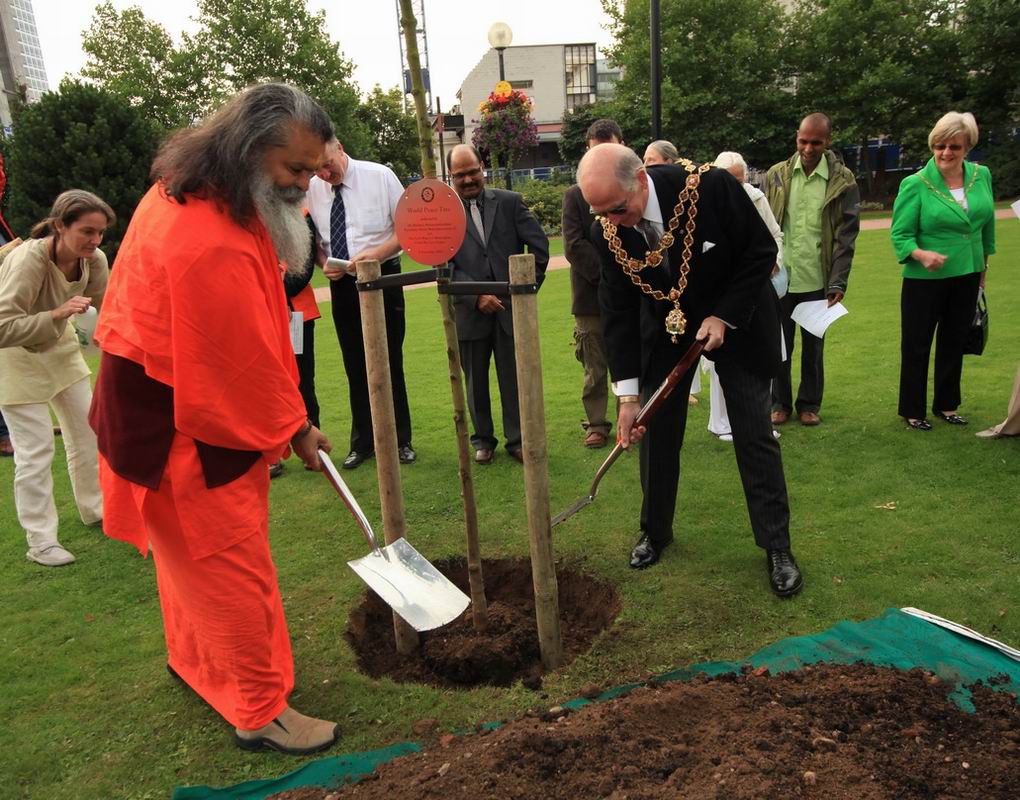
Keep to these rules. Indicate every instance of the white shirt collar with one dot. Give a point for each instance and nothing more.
(652, 211)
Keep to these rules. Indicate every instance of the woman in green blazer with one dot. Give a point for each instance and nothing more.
(943, 231)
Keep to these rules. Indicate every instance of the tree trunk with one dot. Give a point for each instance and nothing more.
(410, 27)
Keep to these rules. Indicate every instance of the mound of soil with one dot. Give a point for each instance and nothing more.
(457, 655)
(833, 732)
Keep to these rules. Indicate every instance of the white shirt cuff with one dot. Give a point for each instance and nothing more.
(627, 386)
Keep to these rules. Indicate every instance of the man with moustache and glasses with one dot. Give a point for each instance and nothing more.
(198, 392)
(499, 225)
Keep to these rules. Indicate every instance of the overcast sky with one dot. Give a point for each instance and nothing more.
(365, 29)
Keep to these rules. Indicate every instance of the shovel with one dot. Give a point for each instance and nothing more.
(648, 410)
(398, 573)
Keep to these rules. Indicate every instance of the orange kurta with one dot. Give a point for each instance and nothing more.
(198, 301)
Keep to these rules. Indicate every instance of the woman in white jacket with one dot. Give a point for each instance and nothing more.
(718, 420)
(59, 272)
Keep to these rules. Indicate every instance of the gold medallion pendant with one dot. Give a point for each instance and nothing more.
(676, 323)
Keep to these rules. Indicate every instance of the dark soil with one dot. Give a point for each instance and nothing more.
(832, 732)
(457, 655)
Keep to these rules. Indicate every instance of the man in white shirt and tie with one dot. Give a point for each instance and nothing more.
(352, 204)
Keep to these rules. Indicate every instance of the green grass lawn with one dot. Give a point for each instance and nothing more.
(91, 712)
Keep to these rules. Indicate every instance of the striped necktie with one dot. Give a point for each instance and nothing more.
(338, 226)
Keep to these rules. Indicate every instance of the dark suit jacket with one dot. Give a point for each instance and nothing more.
(509, 228)
(729, 280)
(580, 250)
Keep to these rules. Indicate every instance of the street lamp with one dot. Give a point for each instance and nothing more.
(500, 37)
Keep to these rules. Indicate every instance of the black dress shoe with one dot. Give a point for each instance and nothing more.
(953, 419)
(354, 459)
(784, 576)
(406, 454)
(645, 553)
(516, 454)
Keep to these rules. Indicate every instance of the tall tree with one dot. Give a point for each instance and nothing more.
(723, 76)
(989, 29)
(238, 43)
(394, 131)
(129, 54)
(878, 67)
(80, 137)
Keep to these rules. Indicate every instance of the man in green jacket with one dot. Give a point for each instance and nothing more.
(816, 202)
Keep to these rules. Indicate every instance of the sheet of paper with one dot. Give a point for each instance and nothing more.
(1016, 208)
(297, 332)
(963, 630)
(815, 316)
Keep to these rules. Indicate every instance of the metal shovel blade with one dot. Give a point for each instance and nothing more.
(411, 586)
(399, 574)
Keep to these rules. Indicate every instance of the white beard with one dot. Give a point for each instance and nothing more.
(281, 212)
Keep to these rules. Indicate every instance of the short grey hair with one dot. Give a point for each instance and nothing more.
(666, 149)
(627, 169)
(951, 124)
(727, 159)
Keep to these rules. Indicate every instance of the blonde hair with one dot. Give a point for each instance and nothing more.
(951, 124)
(68, 208)
(727, 159)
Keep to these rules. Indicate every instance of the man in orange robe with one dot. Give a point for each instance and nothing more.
(197, 393)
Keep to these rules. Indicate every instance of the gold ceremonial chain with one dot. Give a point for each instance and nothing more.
(950, 198)
(676, 323)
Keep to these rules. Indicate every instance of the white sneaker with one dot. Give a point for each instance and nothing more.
(50, 556)
(776, 434)
(726, 437)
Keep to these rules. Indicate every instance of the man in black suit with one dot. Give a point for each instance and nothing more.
(728, 301)
(499, 225)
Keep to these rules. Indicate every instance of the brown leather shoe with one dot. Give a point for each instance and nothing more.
(809, 418)
(516, 454)
(595, 439)
(291, 733)
(6, 448)
(780, 417)
(483, 455)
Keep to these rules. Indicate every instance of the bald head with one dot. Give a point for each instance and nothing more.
(614, 183)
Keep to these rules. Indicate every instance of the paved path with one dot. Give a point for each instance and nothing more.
(560, 262)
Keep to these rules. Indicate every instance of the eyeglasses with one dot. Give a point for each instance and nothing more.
(618, 211)
(468, 173)
(942, 146)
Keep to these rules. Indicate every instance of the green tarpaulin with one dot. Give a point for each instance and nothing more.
(893, 640)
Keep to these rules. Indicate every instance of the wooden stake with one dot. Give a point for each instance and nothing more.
(479, 605)
(536, 472)
(384, 424)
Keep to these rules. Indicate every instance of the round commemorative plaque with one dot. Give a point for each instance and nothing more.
(430, 222)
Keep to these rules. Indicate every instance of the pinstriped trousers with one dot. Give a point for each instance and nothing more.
(759, 461)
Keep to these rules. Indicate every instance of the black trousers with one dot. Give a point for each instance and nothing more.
(346, 308)
(475, 356)
(943, 309)
(306, 373)
(759, 460)
(812, 368)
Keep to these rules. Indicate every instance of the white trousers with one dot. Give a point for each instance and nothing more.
(31, 431)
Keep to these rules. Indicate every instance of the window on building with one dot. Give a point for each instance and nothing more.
(579, 67)
(522, 84)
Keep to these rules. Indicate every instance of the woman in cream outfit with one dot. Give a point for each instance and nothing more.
(44, 281)
(718, 419)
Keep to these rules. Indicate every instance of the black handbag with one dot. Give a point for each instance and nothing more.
(977, 334)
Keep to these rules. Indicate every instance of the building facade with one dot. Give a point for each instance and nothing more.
(557, 77)
(21, 58)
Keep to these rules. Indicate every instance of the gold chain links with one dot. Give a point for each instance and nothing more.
(676, 323)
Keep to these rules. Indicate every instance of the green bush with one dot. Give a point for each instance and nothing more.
(79, 137)
(545, 199)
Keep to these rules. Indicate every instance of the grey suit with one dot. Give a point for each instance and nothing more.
(509, 228)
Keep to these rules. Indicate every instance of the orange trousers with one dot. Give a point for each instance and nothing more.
(226, 634)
